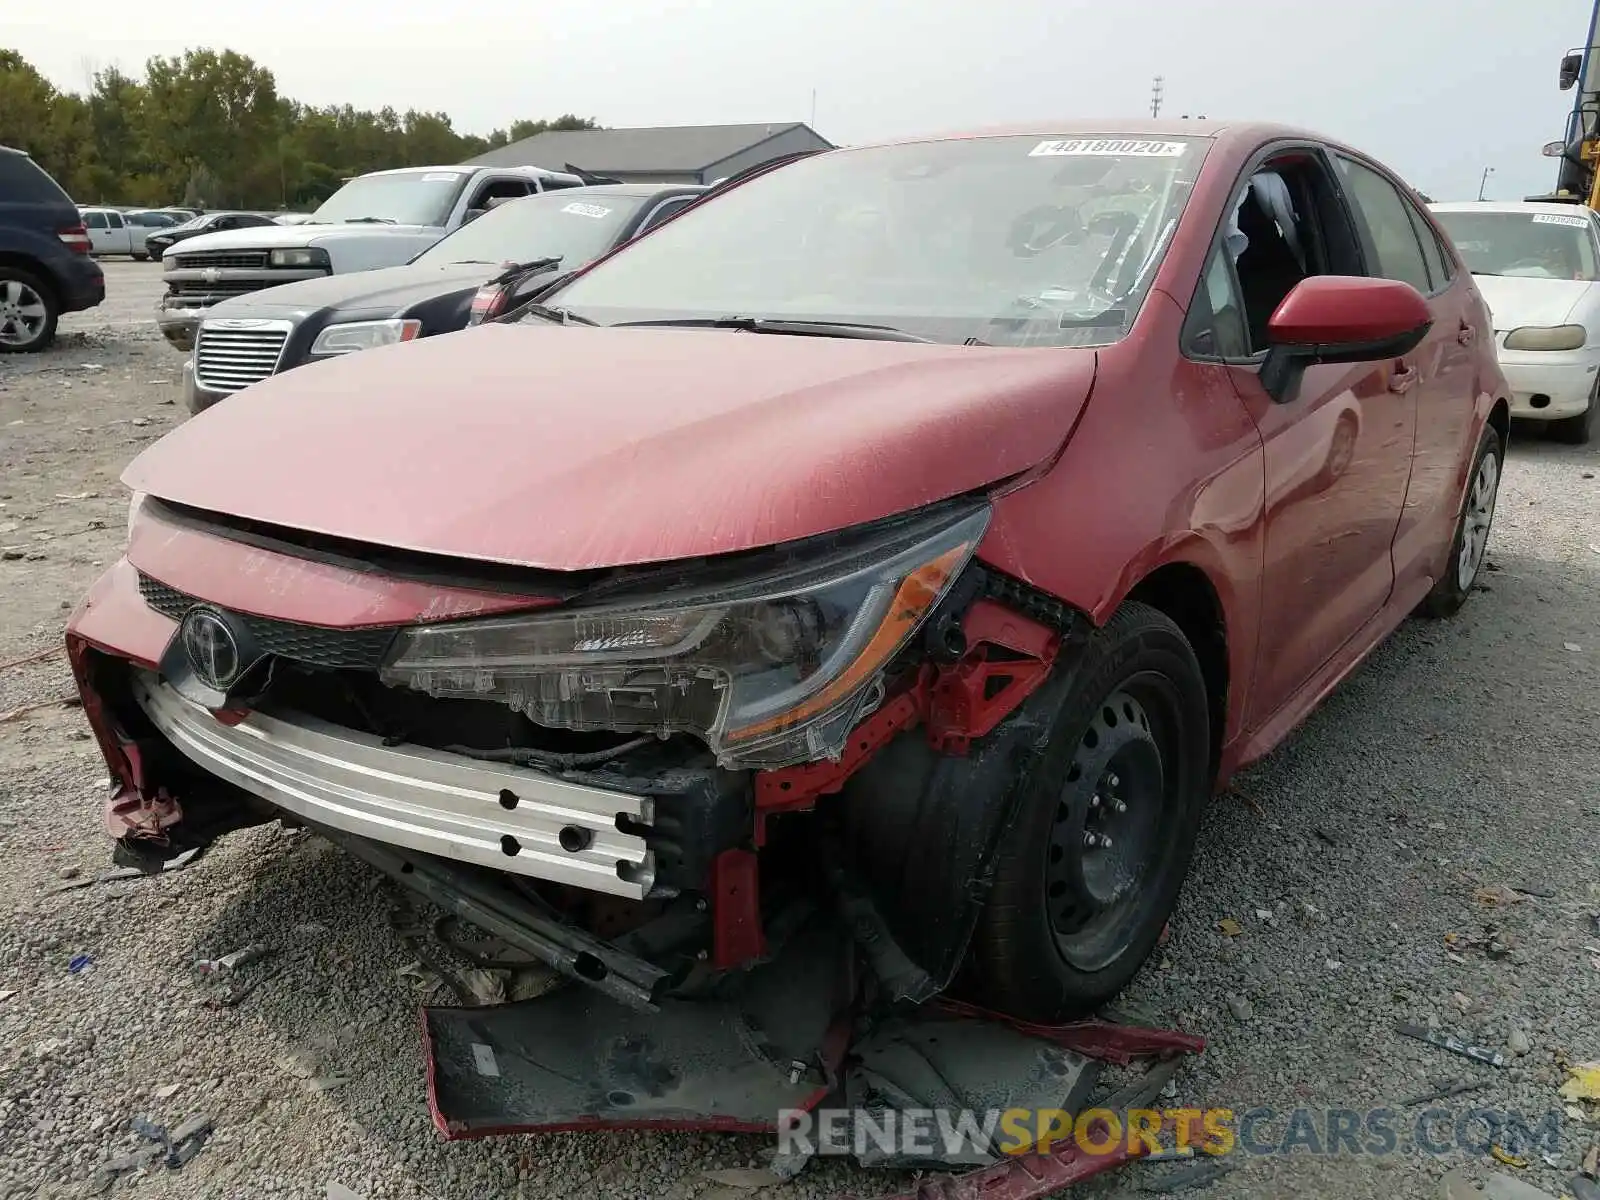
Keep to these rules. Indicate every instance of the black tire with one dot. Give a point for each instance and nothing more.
(1451, 592)
(141, 258)
(1026, 960)
(1575, 431)
(21, 292)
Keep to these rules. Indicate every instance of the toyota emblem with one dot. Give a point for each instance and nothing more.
(212, 649)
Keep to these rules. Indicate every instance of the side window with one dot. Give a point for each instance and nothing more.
(498, 190)
(556, 185)
(1432, 252)
(1394, 249)
(114, 220)
(94, 220)
(225, 223)
(665, 211)
(1215, 327)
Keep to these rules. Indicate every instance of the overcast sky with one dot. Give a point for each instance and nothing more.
(1439, 89)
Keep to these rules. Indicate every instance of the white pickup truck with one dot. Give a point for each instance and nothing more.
(384, 219)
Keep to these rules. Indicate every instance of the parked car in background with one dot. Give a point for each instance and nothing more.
(999, 495)
(383, 219)
(45, 265)
(243, 340)
(212, 222)
(1538, 266)
(124, 231)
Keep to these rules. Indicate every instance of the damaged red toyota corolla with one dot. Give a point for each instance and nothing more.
(926, 529)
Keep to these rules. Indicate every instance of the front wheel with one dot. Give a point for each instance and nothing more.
(1575, 430)
(1470, 545)
(141, 258)
(1091, 868)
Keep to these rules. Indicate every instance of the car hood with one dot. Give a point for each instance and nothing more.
(1519, 300)
(569, 448)
(388, 287)
(278, 237)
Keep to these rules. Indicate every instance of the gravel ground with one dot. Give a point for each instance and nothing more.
(1462, 757)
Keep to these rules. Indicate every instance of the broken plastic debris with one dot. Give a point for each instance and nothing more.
(1230, 927)
(7, 993)
(1510, 1159)
(1499, 896)
(167, 1091)
(1583, 1082)
(1445, 1041)
(1572, 646)
(78, 962)
(327, 1083)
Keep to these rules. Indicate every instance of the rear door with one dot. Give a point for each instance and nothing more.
(1400, 243)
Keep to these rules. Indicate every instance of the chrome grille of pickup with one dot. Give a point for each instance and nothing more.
(226, 360)
(222, 289)
(225, 260)
(346, 649)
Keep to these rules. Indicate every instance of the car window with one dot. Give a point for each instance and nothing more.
(1009, 240)
(246, 222)
(666, 210)
(575, 229)
(1431, 254)
(24, 181)
(1216, 327)
(1394, 248)
(499, 189)
(114, 220)
(94, 220)
(1524, 242)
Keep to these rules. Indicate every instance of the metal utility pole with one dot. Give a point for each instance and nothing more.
(1483, 182)
(1156, 90)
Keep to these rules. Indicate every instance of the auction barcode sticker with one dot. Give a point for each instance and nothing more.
(1109, 148)
(586, 210)
(1554, 219)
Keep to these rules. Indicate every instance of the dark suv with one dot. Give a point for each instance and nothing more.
(45, 268)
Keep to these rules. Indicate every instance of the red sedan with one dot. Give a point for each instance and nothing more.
(928, 529)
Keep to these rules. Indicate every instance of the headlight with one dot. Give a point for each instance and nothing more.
(134, 505)
(298, 258)
(1534, 337)
(772, 672)
(364, 335)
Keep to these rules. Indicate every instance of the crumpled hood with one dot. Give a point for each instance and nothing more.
(571, 448)
(1519, 300)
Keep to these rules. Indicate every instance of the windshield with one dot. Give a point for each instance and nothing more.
(574, 228)
(400, 197)
(1006, 240)
(1531, 245)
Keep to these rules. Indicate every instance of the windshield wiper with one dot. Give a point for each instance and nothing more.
(518, 270)
(561, 316)
(370, 221)
(837, 329)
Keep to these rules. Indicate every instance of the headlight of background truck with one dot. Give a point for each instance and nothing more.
(311, 257)
(771, 672)
(364, 335)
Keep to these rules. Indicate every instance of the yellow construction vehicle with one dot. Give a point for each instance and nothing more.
(1578, 180)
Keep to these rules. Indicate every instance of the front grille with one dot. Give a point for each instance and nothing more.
(231, 260)
(226, 360)
(339, 649)
(222, 289)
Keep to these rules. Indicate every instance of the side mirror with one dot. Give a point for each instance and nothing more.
(1341, 319)
(1571, 65)
(1554, 149)
(472, 214)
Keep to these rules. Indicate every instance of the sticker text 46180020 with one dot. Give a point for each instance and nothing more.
(1109, 148)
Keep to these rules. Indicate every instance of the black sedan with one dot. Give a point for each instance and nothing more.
(514, 248)
(211, 222)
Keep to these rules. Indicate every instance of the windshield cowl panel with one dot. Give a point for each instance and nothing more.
(1000, 241)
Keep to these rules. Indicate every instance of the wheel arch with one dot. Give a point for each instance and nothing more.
(1499, 420)
(25, 262)
(1186, 594)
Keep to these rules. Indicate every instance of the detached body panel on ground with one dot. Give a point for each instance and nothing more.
(921, 573)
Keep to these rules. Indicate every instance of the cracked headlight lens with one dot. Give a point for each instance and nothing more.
(769, 673)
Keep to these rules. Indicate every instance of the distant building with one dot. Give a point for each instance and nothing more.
(665, 154)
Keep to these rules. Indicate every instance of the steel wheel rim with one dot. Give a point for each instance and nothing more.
(22, 313)
(1475, 521)
(1105, 847)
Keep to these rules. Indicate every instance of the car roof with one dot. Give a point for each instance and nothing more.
(1551, 207)
(635, 189)
(1125, 127)
(466, 169)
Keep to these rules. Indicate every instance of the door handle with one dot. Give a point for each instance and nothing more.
(1404, 378)
(1466, 335)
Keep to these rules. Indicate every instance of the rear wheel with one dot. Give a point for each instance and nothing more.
(1091, 868)
(1575, 431)
(141, 258)
(1470, 546)
(28, 312)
